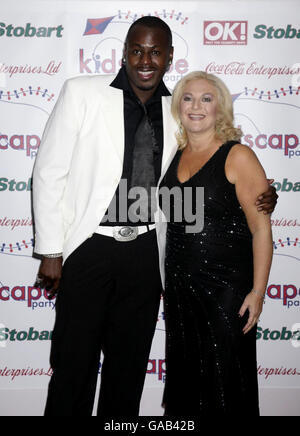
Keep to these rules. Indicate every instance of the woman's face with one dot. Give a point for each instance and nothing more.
(198, 107)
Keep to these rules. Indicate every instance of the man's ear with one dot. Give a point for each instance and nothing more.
(171, 54)
(124, 54)
(170, 58)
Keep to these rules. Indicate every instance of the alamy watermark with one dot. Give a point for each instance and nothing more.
(139, 205)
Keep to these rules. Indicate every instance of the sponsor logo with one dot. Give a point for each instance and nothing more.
(285, 334)
(276, 100)
(50, 69)
(102, 46)
(27, 143)
(288, 294)
(13, 185)
(37, 102)
(285, 222)
(29, 31)
(252, 69)
(30, 335)
(35, 298)
(285, 142)
(282, 371)
(269, 32)
(287, 186)
(13, 373)
(225, 32)
(15, 223)
(157, 367)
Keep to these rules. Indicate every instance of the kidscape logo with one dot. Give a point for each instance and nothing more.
(103, 42)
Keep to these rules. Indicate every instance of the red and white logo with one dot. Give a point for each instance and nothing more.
(225, 32)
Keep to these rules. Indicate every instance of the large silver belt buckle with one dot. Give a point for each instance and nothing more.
(125, 234)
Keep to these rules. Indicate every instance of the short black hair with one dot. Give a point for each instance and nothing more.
(153, 23)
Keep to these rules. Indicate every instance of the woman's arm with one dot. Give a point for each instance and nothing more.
(245, 171)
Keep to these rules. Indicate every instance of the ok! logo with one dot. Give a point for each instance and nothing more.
(225, 32)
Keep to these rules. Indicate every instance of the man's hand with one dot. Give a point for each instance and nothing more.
(267, 201)
(49, 275)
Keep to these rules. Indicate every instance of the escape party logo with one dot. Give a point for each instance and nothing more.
(28, 105)
(258, 112)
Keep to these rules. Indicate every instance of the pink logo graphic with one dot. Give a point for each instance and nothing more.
(225, 33)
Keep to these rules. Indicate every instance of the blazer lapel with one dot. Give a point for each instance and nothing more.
(170, 127)
(113, 112)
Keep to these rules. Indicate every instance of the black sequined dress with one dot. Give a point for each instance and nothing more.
(211, 364)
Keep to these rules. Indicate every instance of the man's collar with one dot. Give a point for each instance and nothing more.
(121, 82)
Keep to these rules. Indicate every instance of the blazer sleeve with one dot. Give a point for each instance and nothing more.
(51, 171)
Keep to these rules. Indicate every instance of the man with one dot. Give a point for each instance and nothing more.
(105, 137)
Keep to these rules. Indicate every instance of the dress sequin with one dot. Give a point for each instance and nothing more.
(211, 365)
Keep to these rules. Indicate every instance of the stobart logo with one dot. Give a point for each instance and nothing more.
(104, 40)
(30, 334)
(29, 31)
(288, 32)
(287, 186)
(285, 334)
(13, 185)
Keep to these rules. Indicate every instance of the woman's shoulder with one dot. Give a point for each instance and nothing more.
(240, 153)
(241, 159)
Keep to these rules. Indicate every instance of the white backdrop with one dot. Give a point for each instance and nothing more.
(254, 47)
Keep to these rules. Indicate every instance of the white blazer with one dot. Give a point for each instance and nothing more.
(80, 161)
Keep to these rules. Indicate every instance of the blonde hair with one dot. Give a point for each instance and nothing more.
(225, 129)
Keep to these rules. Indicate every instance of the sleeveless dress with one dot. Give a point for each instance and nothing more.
(210, 364)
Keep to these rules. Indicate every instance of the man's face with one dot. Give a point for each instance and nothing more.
(147, 55)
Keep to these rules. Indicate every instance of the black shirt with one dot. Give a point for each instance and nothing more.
(133, 114)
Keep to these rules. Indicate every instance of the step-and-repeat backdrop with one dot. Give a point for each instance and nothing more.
(254, 47)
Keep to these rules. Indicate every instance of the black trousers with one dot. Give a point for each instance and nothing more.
(108, 300)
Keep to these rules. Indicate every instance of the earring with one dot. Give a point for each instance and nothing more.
(180, 129)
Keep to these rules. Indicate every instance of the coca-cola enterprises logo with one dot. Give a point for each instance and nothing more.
(103, 43)
(15, 223)
(15, 373)
(12, 70)
(225, 33)
(266, 373)
(253, 68)
(285, 222)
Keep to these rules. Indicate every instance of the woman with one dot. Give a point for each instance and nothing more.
(215, 279)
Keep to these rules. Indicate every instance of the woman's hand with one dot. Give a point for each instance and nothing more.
(254, 304)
